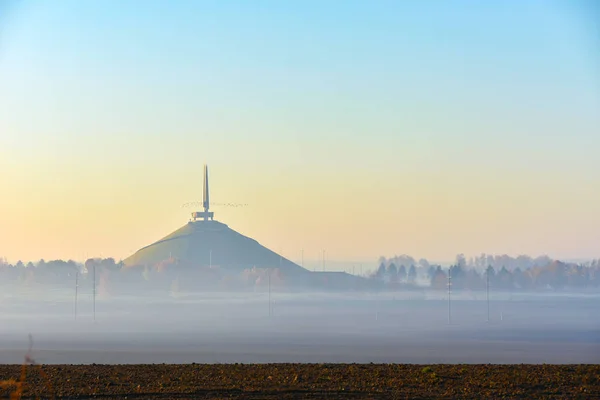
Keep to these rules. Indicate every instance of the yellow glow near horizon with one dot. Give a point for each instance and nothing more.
(363, 139)
(349, 215)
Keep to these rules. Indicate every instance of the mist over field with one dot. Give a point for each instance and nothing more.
(304, 327)
(543, 313)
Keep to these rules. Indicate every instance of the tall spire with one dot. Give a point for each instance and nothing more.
(205, 199)
(205, 215)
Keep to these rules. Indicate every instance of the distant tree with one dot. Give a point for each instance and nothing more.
(502, 261)
(412, 274)
(402, 273)
(405, 260)
(380, 271)
(490, 260)
(473, 280)
(480, 261)
(392, 269)
(541, 261)
(504, 279)
(19, 264)
(458, 275)
(556, 274)
(392, 272)
(523, 262)
(456, 271)
(110, 264)
(461, 261)
(440, 279)
(431, 271)
(90, 263)
(578, 276)
(522, 279)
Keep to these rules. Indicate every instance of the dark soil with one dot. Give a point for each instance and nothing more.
(304, 381)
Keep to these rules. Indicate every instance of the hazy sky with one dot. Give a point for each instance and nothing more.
(365, 128)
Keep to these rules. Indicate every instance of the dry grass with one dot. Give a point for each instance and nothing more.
(17, 387)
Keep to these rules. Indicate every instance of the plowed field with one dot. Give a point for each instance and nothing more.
(304, 381)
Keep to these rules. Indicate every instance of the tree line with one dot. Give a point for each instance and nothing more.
(500, 272)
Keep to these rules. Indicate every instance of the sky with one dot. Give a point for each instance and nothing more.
(362, 128)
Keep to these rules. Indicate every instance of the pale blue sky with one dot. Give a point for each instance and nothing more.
(486, 107)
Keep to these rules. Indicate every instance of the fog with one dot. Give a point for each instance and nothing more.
(411, 327)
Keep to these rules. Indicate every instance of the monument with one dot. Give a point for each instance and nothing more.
(206, 242)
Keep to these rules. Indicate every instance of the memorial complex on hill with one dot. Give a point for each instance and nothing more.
(204, 242)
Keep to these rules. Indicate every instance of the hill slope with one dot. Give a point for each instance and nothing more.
(211, 243)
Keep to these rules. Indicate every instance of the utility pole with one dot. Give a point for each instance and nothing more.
(487, 292)
(94, 295)
(76, 289)
(449, 291)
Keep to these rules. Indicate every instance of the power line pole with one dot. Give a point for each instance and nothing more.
(449, 292)
(76, 289)
(270, 312)
(94, 293)
(487, 292)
